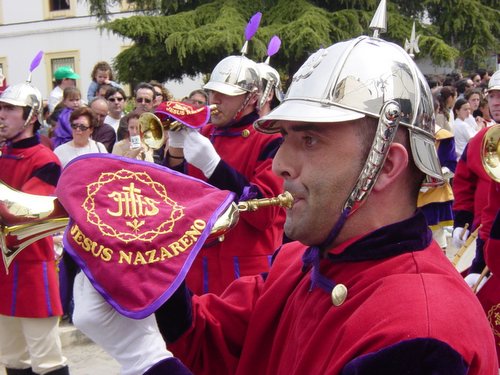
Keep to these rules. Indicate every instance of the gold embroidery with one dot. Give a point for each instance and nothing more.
(494, 319)
(133, 203)
(142, 200)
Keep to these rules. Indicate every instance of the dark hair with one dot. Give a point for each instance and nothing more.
(104, 66)
(144, 85)
(105, 87)
(442, 96)
(473, 91)
(199, 92)
(167, 95)
(113, 90)
(122, 131)
(136, 113)
(481, 72)
(462, 85)
(458, 104)
(70, 92)
(86, 112)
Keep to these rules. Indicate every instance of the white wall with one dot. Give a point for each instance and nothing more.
(24, 33)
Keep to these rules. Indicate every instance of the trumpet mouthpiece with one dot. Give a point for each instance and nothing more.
(283, 200)
(213, 109)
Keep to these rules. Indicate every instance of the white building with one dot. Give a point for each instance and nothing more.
(63, 30)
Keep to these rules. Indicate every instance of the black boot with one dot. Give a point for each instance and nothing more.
(60, 371)
(19, 371)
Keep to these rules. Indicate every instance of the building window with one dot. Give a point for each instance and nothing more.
(55, 60)
(65, 61)
(59, 8)
(56, 5)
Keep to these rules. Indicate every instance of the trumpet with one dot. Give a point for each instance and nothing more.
(490, 152)
(26, 218)
(152, 127)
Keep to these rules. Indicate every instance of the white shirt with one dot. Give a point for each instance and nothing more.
(463, 131)
(113, 122)
(54, 98)
(67, 151)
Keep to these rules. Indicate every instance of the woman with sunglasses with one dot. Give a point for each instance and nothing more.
(83, 122)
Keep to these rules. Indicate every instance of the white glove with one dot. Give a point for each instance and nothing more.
(472, 278)
(457, 239)
(176, 138)
(200, 152)
(125, 339)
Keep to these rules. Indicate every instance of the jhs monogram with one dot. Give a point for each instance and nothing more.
(131, 203)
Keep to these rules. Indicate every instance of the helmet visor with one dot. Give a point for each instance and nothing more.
(307, 111)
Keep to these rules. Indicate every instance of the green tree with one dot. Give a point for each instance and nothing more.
(176, 37)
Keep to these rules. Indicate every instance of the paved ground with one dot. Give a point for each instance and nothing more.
(84, 357)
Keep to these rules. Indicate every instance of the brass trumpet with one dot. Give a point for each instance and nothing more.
(26, 218)
(490, 152)
(152, 128)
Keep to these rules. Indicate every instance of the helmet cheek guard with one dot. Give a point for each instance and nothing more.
(270, 80)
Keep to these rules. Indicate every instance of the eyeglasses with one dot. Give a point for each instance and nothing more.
(143, 100)
(117, 99)
(82, 127)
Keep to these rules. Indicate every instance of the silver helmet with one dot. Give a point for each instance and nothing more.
(270, 80)
(357, 78)
(23, 95)
(234, 75)
(494, 82)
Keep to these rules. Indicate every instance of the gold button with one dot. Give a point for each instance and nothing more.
(339, 294)
(245, 133)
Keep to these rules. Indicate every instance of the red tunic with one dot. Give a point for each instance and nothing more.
(470, 184)
(247, 248)
(407, 311)
(31, 289)
(489, 295)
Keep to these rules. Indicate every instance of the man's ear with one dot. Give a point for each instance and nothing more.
(395, 164)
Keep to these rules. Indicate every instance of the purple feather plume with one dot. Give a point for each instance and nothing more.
(274, 45)
(253, 25)
(36, 61)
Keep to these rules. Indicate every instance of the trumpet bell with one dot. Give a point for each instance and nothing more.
(490, 152)
(26, 218)
(151, 130)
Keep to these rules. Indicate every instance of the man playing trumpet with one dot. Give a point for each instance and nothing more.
(30, 305)
(364, 289)
(230, 154)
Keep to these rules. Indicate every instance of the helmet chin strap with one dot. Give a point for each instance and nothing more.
(239, 113)
(390, 115)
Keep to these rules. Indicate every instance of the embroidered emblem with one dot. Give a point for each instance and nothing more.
(131, 206)
(494, 319)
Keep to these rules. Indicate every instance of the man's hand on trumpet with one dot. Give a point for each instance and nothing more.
(200, 152)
